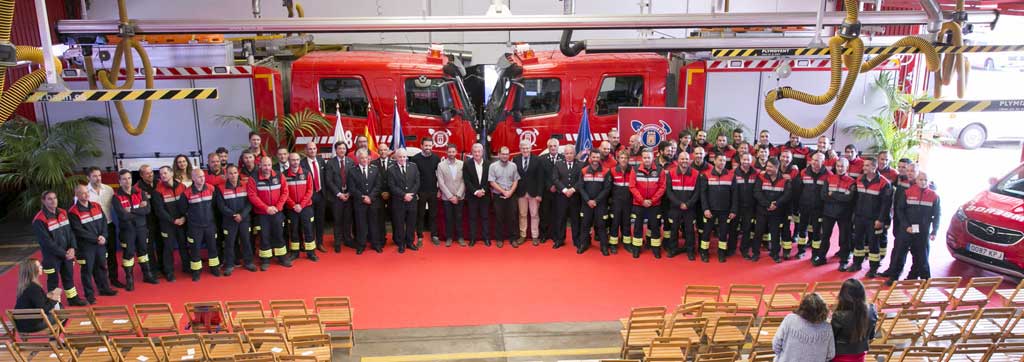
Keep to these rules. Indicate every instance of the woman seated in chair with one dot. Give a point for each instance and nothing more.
(32, 295)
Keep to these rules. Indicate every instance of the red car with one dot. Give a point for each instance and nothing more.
(987, 231)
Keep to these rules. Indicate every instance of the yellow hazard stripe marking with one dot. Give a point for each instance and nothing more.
(495, 354)
(943, 49)
(124, 95)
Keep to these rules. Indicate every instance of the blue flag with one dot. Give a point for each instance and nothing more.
(583, 137)
(397, 137)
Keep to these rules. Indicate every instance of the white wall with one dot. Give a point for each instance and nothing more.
(486, 46)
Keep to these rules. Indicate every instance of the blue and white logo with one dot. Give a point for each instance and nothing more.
(651, 134)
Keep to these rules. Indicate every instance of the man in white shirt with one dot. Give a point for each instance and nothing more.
(101, 194)
(474, 175)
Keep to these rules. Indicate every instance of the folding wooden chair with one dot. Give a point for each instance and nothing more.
(77, 321)
(33, 316)
(828, 291)
(747, 298)
(222, 347)
(762, 340)
(902, 295)
(692, 330)
(669, 348)
(762, 356)
(697, 293)
(908, 324)
(296, 358)
(141, 349)
(91, 349)
(639, 333)
(976, 293)
(951, 325)
(688, 310)
(336, 317)
(296, 326)
(716, 357)
(643, 313)
(991, 324)
(243, 309)
(968, 352)
(937, 293)
(183, 347)
(274, 343)
(1006, 352)
(288, 307)
(256, 357)
(879, 352)
(7, 353)
(316, 346)
(922, 354)
(260, 325)
(730, 333)
(785, 298)
(6, 329)
(115, 321)
(206, 317)
(1015, 330)
(48, 351)
(715, 310)
(872, 287)
(1013, 297)
(155, 319)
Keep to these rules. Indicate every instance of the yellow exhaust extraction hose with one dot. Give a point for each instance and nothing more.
(109, 78)
(839, 90)
(24, 86)
(952, 63)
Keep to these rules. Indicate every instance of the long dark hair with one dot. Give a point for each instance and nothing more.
(851, 300)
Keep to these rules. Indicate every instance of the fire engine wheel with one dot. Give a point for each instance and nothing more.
(972, 136)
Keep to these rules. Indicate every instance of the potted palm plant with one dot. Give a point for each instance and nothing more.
(889, 129)
(284, 129)
(723, 126)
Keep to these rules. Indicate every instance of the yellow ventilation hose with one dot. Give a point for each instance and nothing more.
(952, 63)
(24, 86)
(839, 90)
(108, 78)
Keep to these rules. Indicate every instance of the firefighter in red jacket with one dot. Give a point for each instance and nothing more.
(807, 191)
(856, 169)
(267, 192)
(797, 149)
(647, 184)
(58, 245)
(837, 194)
(636, 150)
(197, 200)
(131, 206)
(719, 209)
(299, 208)
(771, 190)
(232, 201)
(919, 213)
(90, 229)
(870, 215)
(171, 219)
(721, 148)
(594, 185)
(683, 188)
(621, 204)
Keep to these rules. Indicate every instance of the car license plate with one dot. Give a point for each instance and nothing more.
(981, 250)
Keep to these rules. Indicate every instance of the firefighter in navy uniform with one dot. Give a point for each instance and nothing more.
(771, 190)
(197, 200)
(267, 193)
(647, 184)
(299, 209)
(57, 244)
(700, 164)
(171, 220)
(808, 191)
(621, 205)
(919, 213)
(132, 206)
(870, 215)
(232, 201)
(837, 195)
(666, 159)
(744, 176)
(594, 185)
(683, 188)
(719, 210)
(147, 183)
(90, 229)
(791, 173)
(906, 177)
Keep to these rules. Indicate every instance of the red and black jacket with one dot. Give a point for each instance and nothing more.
(919, 206)
(768, 190)
(300, 188)
(267, 191)
(53, 230)
(856, 169)
(728, 151)
(87, 222)
(199, 205)
(620, 183)
(799, 152)
(717, 191)
(216, 179)
(837, 195)
(684, 187)
(874, 199)
(809, 186)
(743, 187)
(165, 201)
(129, 209)
(647, 184)
(233, 199)
(594, 185)
(890, 175)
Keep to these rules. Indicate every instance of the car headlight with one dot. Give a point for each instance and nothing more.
(961, 215)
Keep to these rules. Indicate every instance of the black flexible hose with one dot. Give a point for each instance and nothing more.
(568, 47)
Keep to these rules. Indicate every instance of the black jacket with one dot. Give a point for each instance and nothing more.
(874, 199)
(842, 327)
(333, 183)
(231, 200)
(87, 223)
(594, 185)
(322, 165)
(128, 208)
(743, 187)
(768, 189)
(837, 195)
(34, 297)
(469, 176)
(398, 185)
(427, 171)
(563, 177)
(548, 169)
(808, 186)
(53, 230)
(531, 179)
(371, 185)
(684, 188)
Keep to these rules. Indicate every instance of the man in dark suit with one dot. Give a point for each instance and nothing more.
(281, 164)
(336, 190)
(547, 203)
(404, 184)
(566, 173)
(384, 163)
(315, 165)
(474, 173)
(529, 193)
(365, 181)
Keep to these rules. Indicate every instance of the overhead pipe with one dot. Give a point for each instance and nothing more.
(816, 42)
(503, 23)
(935, 18)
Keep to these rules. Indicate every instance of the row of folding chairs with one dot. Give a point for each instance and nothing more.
(206, 347)
(669, 350)
(927, 326)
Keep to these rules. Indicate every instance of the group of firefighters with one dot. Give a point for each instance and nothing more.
(742, 196)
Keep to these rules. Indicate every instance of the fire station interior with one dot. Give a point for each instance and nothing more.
(97, 92)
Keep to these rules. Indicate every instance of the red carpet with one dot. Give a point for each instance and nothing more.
(439, 286)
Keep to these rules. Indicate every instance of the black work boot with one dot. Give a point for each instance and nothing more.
(636, 252)
(721, 255)
(704, 257)
(656, 251)
(843, 267)
(77, 302)
(284, 261)
(129, 279)
(195, 275)
(147, 274)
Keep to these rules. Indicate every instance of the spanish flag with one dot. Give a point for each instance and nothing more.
(370, 130)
